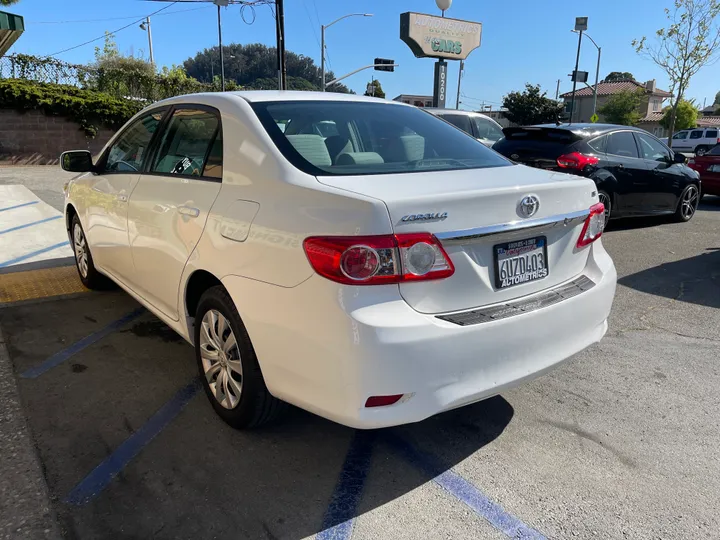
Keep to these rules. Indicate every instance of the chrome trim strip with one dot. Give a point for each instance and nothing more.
(468, 236)
(527, 304)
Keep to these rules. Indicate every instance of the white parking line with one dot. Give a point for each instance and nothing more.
(30, 230)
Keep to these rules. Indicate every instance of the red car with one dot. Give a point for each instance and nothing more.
(709, 168)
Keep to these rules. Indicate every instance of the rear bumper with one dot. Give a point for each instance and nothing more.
(327, 347)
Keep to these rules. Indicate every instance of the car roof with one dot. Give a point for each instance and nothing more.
(437, 111)
(261, 96)
(587, 129)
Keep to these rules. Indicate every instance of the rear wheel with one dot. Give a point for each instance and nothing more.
(604, 197)
(688, 204)
(701, 150)
(228, 366)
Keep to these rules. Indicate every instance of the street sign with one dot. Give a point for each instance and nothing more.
(579, 76)
(594, 118)
(388, 64)
(440, 86)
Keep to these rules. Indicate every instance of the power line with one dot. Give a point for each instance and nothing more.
(113, 32)
(116, 18)
(312, 24)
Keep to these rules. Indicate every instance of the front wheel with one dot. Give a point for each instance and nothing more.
(90, 277)
(228, 365)
(688, 204)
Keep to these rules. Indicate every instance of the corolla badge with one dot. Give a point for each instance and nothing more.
(529, 206)
(425, 217)
(514, 157)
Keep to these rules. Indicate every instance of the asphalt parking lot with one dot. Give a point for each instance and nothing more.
(622, 441)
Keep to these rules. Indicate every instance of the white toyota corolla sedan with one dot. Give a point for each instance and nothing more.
(359, 258)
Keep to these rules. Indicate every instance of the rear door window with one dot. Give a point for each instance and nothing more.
(459, 120)
(622, 143)
(697, 134)
(188, 144)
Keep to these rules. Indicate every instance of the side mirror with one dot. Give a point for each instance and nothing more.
(76, 161)
(679, 158)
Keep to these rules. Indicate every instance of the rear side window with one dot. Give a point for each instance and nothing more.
(711, 134)
(697, 134)
(458, 120)
(598, 145)
(622, 143)
(188, 144)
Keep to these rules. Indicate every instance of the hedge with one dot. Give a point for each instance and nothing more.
(88, 108)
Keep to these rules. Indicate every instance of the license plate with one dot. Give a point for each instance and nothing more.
(521, 261)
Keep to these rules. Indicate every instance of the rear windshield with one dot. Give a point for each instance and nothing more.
(715, 150)
(544, 140)
(355, 138)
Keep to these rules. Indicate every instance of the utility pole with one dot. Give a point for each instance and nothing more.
(460, 73)
(222, 56)
(557, 90)
(280, 21)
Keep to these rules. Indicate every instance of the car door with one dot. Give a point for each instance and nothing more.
(665, 180)
(680, 142)
(170, 204)
(623, 161)
(108, 192)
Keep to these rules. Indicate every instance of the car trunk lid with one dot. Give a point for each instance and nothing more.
(476, 212)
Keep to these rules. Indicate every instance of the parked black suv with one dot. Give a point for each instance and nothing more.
(635, 173)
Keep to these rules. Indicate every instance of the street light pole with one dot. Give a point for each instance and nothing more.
(324, 27)
(574, 77)
(222, 56)
(460, 73)
(146, 26)
(597, 72)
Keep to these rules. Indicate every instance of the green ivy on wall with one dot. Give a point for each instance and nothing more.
(90, 109)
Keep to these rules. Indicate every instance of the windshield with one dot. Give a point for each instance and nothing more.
(356, 138)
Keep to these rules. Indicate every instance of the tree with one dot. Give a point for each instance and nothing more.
(717, 99)
(690, 42)
(255, 66)
(623, 108)
(685, 117)
(619, 76)
(378, 91)
(531, 106)
(8, 2)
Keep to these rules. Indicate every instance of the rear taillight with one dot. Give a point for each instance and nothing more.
(576, 160)
(594, 225)
(376, 260)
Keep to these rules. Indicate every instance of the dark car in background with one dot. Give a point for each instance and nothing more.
(636, 174)
(708, 167)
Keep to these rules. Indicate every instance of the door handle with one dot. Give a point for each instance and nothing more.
(188, 211)
(122, 198)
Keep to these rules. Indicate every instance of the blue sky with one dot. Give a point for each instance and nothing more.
(523, 41)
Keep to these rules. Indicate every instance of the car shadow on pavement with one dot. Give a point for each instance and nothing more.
(695, 280)
(710, 203)
(198, 478)
(629, 224)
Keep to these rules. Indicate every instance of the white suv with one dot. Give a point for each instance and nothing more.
(377, 276)
(698, 140)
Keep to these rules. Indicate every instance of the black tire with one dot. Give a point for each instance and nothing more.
(90, 277)
(701, 150)
(606, 199)
(690, 196)
(255, 405)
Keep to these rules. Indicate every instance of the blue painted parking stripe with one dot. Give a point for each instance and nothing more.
(60, 357)
(464, 491)
(33, 254)
(18, 206)
(93, 484)
(340, 515)
(30, 224)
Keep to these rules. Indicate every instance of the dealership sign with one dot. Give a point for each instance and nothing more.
(439, 37)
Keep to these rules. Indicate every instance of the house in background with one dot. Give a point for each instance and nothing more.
(650, 108)
(418, 101)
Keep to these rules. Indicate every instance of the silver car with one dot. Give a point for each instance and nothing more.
(483, 128)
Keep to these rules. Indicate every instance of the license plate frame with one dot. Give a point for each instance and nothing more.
(531, 246)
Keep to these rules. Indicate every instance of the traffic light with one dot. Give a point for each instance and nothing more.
(388, 65)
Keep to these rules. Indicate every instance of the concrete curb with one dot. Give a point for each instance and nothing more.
(25, 510)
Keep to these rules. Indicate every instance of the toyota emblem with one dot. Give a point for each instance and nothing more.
(529, 206)
(514, 157)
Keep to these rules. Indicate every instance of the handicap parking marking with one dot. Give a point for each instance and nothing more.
(93, 484)
(30, 230)
(60, 357)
